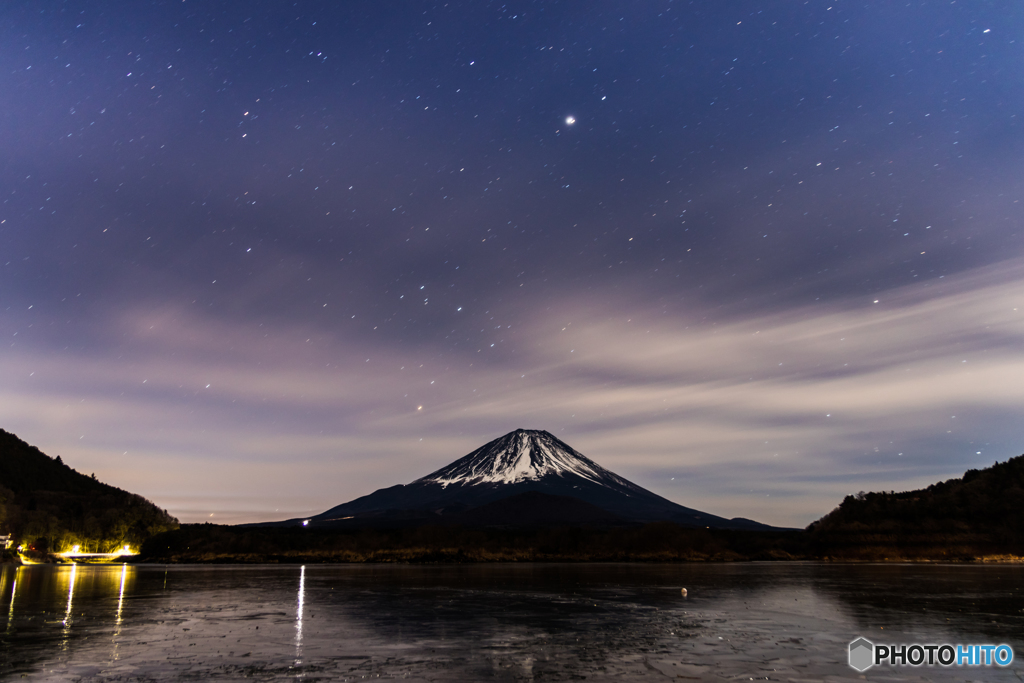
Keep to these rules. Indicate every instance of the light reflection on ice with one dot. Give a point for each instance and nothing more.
(14, 591)
(71, 596)
(473, 623)
(298, 616)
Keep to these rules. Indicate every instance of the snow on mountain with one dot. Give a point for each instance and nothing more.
(520, 462)
(522, 455)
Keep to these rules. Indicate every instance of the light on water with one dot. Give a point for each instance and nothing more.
(120, 594)
(14, 592)
(298, 616)
(495, 622)
(71, 597)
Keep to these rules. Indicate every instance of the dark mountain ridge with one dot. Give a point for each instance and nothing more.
(988, 499)
(520, 462)
(970, 519)
(976, 515)
(49, 505)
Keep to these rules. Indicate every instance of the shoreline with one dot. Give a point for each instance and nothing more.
(455, 557)
(273, 560)
(654, 542)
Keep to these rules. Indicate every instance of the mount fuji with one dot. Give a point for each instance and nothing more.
(523, 477)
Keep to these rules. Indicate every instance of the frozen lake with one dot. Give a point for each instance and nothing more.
(545, 622)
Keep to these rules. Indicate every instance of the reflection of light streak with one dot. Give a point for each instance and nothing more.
(298, 615)
(120, 596)
(67, 612)
(14, 591)
(120, 602)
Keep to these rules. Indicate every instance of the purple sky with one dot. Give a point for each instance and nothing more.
(257, 258)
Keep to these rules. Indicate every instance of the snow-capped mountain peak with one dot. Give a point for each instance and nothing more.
(523, 462)
(522, 455)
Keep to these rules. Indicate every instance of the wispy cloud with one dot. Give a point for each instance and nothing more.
(773, 417)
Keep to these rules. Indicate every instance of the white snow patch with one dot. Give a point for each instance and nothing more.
(522, 456)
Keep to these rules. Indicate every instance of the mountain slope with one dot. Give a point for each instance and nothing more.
(45, 503)
(24, 468)
(977, 515)
(518, 462)
(522, 456)
(986, 500)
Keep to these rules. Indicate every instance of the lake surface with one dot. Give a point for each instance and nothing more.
(544, 622)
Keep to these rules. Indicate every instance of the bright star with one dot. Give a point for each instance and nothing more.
(569, 120)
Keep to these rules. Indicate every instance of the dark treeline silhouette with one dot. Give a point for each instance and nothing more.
(657, 542)
(976, 516)
(50, 507)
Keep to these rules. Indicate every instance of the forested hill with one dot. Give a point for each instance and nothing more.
(25, 468)
(979, 513)
(46, 503)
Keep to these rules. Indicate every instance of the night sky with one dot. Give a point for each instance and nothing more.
(261, 258)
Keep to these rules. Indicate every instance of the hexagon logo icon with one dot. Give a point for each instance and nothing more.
(862, 654)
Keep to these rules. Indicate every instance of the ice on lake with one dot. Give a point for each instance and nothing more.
(522, 622)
